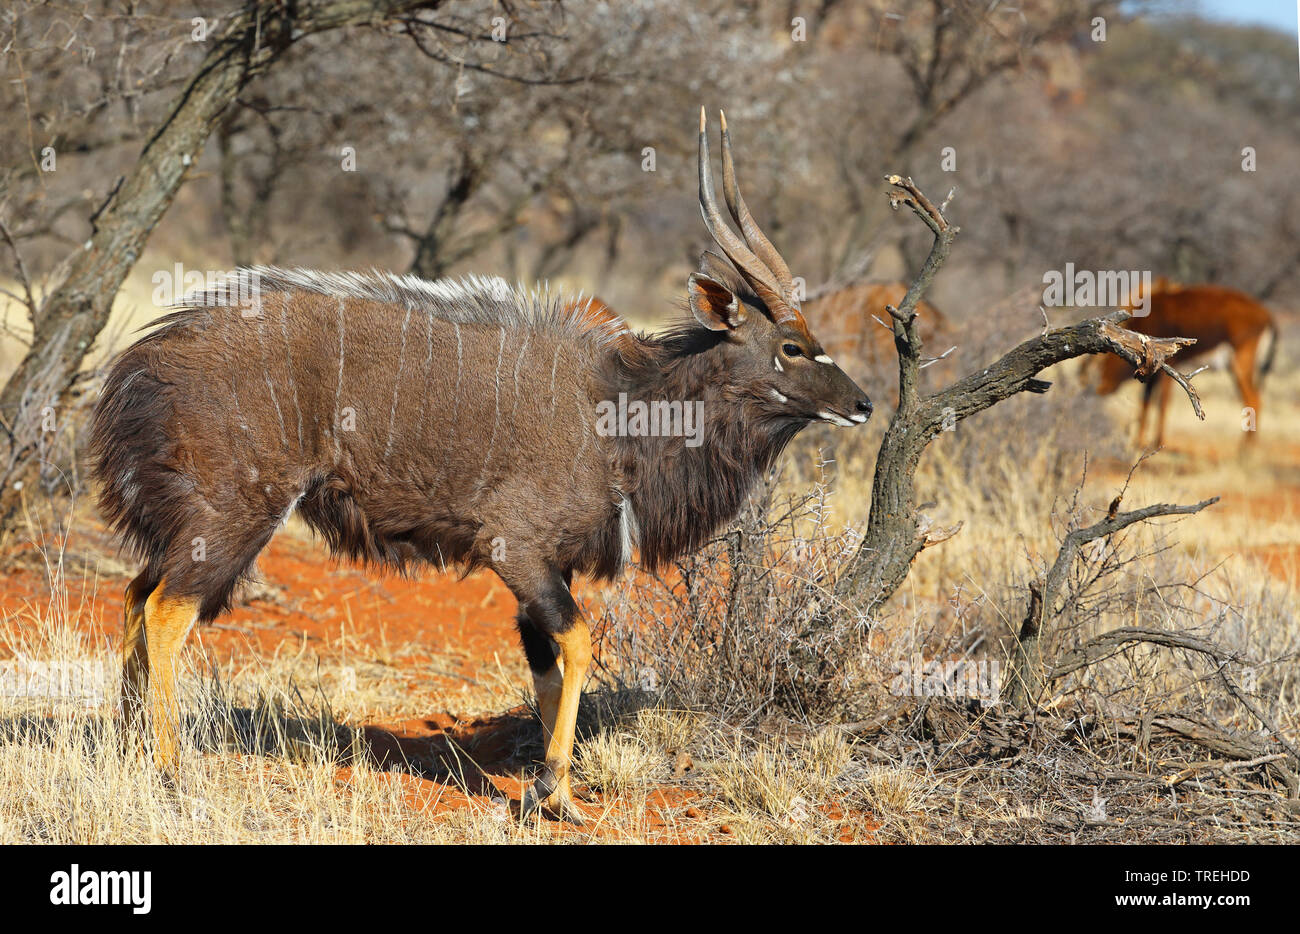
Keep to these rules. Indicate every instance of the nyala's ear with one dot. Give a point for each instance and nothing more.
(714, 305)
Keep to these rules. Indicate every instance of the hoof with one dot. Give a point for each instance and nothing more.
(554, 807)
(547, 799)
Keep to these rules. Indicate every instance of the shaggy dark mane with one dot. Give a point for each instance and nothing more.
(681, 495)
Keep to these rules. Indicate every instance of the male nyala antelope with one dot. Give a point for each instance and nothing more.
(453, 423)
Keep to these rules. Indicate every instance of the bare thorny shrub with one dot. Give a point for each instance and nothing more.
(1139, 575)
(731, 628)
(728, 629)
(734, 635)
(1241, 641)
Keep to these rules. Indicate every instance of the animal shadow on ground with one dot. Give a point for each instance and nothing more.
(466, 753)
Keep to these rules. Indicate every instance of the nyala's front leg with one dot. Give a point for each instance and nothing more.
(549, 622)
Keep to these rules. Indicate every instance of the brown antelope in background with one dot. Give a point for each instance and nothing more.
(1213, 315)
(847, 319)
(451, 422)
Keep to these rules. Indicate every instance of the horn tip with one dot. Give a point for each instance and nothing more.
(722, 115)
(702, 118)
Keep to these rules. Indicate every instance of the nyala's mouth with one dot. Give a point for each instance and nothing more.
(824, 415)
(835, 418)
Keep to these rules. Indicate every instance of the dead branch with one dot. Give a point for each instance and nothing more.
(1242, 698)
(1027, 680)
(1195, 768)
(28, 300)
(1233, 746)
(1110, 643)
(906, 337)
(1154, 358)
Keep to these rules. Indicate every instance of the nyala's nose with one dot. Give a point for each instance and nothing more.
(864, 406)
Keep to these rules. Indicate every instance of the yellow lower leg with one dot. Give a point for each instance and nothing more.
(1161, 410)
(548, 686)
(552, 788)
(167, 621)
(1142, 417)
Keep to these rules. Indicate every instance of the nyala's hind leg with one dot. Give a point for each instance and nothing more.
(135, 653)
(168, 619)
(1162, 411)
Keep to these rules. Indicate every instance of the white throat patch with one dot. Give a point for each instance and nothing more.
(628, 533)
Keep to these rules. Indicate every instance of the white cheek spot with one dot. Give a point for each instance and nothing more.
(778, 397)
(823, 358)
(776, 362)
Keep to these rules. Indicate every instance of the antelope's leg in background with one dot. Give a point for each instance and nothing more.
(135, 654)
(168, 620)
(543, 660)
(554, 612)
(1243, 374)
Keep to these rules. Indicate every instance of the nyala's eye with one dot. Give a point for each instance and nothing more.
(792, 350)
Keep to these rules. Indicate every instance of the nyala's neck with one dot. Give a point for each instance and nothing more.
(689, 446)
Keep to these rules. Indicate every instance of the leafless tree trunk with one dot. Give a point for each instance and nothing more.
(432, 256)
(247, 223)
(443, 242)
(896, 533)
